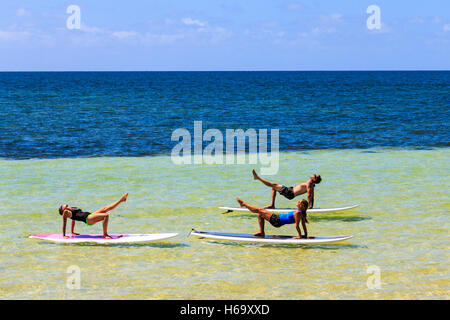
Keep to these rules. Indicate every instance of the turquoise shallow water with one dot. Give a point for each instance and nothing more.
(401, 227)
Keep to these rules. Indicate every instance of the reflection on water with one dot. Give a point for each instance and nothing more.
(339, 218)
(289, 246)
(155, 244)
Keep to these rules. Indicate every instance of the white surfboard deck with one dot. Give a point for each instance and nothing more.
(285, 210)
(98, 238)
(271, 239)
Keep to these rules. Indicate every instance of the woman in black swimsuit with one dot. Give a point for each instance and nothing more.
(77, 214)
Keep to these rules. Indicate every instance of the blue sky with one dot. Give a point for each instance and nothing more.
(224, 35)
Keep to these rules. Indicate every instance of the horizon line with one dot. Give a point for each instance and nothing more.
(257, 70)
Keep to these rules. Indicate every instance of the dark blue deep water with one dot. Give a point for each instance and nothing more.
(70, 114)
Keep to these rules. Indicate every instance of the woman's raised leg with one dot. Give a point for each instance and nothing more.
(113, 205)
(263, 214)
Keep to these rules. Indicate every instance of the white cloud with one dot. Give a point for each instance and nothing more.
(293, 6)
(191, 22)
(166, 32)
(447, 27)
(418, 20)
(124, 34)
(323, 30)
(218, 34)
(333, 18)
(14, 35)
(336, 17)
(265, 32)
(427, 20)
(436, 20)
(161, 39)
(92, 30)
(22, 13)
(168, 21)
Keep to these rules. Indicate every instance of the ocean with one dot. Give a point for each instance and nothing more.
(378, 139)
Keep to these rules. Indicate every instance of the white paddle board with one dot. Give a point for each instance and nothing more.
(98, 238)
(244, 237)
(285, 210)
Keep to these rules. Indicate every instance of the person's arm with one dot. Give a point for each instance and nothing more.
(64, 216)
(304, 226)
(72, 227)
(310, 190)
(272, 202)
(297, 222)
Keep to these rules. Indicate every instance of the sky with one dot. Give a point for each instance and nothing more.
(169, 35)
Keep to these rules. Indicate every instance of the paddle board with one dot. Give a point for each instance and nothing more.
(273, 239)
(284, 210)
(98, 238)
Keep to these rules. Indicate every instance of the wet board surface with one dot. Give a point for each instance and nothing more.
(285, 210)
(278, 239)
(98, 238)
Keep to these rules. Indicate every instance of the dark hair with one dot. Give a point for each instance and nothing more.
(60, 210)
(318, 179)
(305, 206)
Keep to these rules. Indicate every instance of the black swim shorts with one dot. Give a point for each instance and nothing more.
(287, 192)
(275, 220)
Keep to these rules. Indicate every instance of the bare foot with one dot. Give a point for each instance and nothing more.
(107, 236)
(255, 175)
(241, 203)
(260, 234)
(303, 237)
(124, 198)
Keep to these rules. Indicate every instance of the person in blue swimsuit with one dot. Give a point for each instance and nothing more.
(77, 214)
(278, 220)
